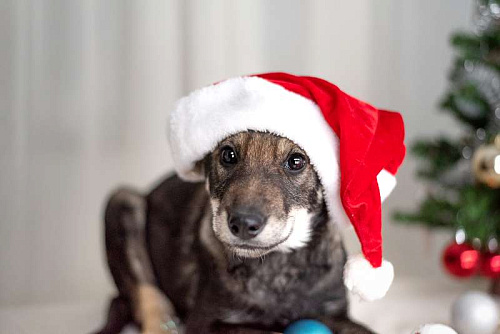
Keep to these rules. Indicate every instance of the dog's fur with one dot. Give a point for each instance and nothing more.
(172, 253)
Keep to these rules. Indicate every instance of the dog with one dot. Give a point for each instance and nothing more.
(250, 250)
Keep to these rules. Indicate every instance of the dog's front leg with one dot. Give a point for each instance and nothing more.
(140, 298)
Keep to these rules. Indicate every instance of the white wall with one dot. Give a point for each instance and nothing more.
(85, 88)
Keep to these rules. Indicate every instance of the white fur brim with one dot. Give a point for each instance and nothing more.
(207, 116)
(434, 329)
(386, 183)
(365, 281)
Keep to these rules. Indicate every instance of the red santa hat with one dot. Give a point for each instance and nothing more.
(355, 148)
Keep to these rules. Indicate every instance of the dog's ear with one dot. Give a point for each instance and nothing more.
(201, 167)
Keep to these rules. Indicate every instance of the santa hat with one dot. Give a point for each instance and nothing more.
(355, 148)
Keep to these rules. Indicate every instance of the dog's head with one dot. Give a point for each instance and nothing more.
(264, 192)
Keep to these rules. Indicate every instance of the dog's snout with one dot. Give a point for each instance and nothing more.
(246, 225)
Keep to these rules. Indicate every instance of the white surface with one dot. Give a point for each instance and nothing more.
(408, 304)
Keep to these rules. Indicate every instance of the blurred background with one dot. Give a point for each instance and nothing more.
(86, 86)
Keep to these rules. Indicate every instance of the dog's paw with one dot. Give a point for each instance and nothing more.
(169, 327)
(155, 312)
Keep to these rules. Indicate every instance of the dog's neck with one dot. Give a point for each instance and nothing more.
(279, 279)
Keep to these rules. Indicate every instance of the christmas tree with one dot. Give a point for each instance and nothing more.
(463, 175)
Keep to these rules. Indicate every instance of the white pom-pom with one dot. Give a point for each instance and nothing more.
(434, 329)
(365, 281)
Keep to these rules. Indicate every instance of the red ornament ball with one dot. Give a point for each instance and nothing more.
(490, 265)
(461, 260)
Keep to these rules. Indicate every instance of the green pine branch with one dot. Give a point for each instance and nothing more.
(432, 212)
(475, 210)
(467, 45)
(468, 97)
(437, 156)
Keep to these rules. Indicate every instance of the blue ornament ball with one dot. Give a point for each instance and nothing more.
(307, 327)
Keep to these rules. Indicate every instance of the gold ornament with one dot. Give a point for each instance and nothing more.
(486, 163)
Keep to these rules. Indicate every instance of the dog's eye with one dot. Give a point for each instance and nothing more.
(295, 162)
(228, 156)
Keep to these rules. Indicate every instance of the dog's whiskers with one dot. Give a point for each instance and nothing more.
(261, 257)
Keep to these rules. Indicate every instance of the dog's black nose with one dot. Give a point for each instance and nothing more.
(246, 225)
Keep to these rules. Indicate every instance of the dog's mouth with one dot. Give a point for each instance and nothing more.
(249, 250)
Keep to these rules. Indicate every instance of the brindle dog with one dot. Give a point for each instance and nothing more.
(250, 251)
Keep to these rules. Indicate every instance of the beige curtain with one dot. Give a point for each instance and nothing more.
(85, 88)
